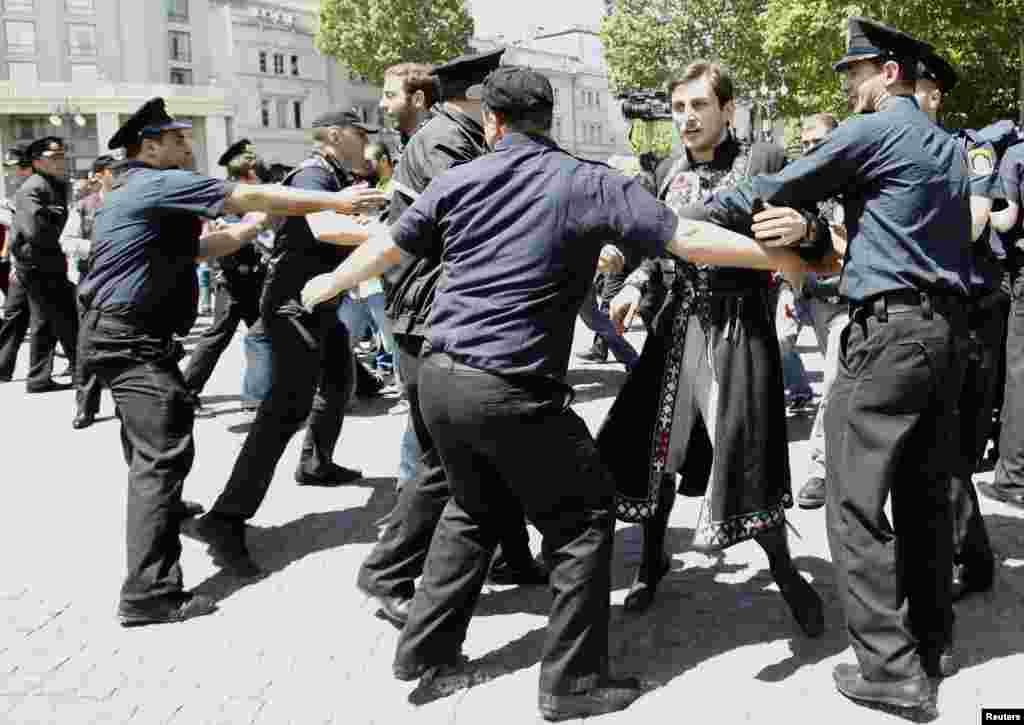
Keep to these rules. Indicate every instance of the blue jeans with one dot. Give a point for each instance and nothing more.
(357, 315)
(408, 455)
(600, 323)
(256, 378)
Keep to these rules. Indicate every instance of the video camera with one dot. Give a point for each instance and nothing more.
(646, 106)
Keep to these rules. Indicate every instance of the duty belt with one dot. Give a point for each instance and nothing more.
(879, 306)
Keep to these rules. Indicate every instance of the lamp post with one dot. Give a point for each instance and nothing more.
(66, 115)
(765, 99)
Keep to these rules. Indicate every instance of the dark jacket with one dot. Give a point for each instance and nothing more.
(40, 213)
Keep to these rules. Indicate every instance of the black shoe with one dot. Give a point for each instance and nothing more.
(533, 574)
(914, 693)
(50, 387)
(225, 537)
(83, 420)
(593, 355)
(976, 578)
(642, 590)
(332, 475)
(391, 609)
(607, 696)
(166, 610)
(408, 673)
(804, 602)
(192, 398)
(67, 372)
(941, 664)
(799, 402)
(812, 495)
(189, 509)
(1012, 496)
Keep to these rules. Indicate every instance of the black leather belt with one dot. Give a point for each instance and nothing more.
(879, 306)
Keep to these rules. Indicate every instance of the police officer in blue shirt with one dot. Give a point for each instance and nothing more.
(891, 425)
(519, 232)
(139, 294)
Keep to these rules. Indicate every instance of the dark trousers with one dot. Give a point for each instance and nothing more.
(228, 312)
(892, 430)
(87, 384)
(986, 325)
(51, 299)
(397, 560)
(142, 374)
(307, 386)
(14, 327)
(504, 442)
(1009, 472)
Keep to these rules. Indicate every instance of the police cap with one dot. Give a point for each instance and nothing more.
(15, 156)
(933, 67)
(515, 90)
(151, 119)
(867, 39)
(234, 151)
(103, 163)
(456, 76)
(341, 119)
(44, 147)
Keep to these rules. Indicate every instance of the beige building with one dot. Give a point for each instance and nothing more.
(235, 68)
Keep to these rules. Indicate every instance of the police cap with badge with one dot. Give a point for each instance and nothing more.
(454, 78)
(44, 148)
(343, 119)
(15, 156)
(150, 120)
(868, 39)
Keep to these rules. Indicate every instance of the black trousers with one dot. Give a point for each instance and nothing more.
(986, 327)
(51, 299)
(229, 310)
(397, 560)
(1009, 472)
(892, 430)
(87, 384)
(504, 441)
(142, 373)
(14, 327)
(308, 385)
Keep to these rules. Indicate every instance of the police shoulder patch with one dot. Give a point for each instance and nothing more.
(982, 161)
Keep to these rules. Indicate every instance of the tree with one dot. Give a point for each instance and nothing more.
(369, 36)
(979, 37)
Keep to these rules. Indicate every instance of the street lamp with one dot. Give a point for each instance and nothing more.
(765, 99)
(70, 116)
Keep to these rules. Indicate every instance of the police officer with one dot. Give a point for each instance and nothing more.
(41, 211)
(140, 293)
(239, 281)
(16, 309)
(453, 136)
(493, 385)
(312, 371)
(891, 424)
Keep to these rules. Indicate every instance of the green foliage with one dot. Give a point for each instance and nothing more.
(655, 137)
(369, 36)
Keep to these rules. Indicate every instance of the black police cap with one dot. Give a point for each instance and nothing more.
(516, 90)
(341, 119)
(42, 146)
(457, 75)
(234, 151)
(935, 68)
(103, 163)
(151, 119)
(867, 39)
(15, 156)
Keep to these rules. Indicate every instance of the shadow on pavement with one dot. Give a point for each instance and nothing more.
(274, 548)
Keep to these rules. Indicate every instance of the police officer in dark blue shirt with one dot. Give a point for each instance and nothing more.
(139, 294)
(891, 425)
(519, 232)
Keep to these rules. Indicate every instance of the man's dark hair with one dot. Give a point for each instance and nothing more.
(533, 123)
(821, 119)
(718, 78)
(415, 77)
(379, 152)
(243, 165)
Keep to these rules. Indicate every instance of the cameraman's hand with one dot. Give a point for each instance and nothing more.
(624, 307)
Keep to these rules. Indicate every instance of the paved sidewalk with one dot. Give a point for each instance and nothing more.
(303, 646)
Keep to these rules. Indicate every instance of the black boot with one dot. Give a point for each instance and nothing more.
(804, 602)
(655, 563)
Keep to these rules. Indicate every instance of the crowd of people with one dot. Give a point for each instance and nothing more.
(470, 249)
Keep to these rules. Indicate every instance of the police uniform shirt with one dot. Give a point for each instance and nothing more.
(40, 213)
(1011, 178)
(146, 242)
(905, 187)
(987, 251)
(519, 232)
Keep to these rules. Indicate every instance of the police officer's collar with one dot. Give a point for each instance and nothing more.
(466, 121)
(516, 138)
(893, 101)
(333, 163)
(124, 169)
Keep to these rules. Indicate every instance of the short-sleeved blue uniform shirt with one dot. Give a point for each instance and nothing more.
(905, 185)
(519, 232)
(987, 251)
(146, 242)
(1011, 178)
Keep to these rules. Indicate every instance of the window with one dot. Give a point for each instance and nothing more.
(279, 64)
(181, 76)
(24, 73)
(20, 6)
(177, 11)
(21, 37)
(265, 114)
(81, 40)
(295, 65)
(263, 61)
(597, 99)
(297, 112)
(84, 73)
(179, 46)
(79, 6)
(556, 97)
(282, 114)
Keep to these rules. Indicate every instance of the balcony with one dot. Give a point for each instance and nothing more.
(104, 96)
